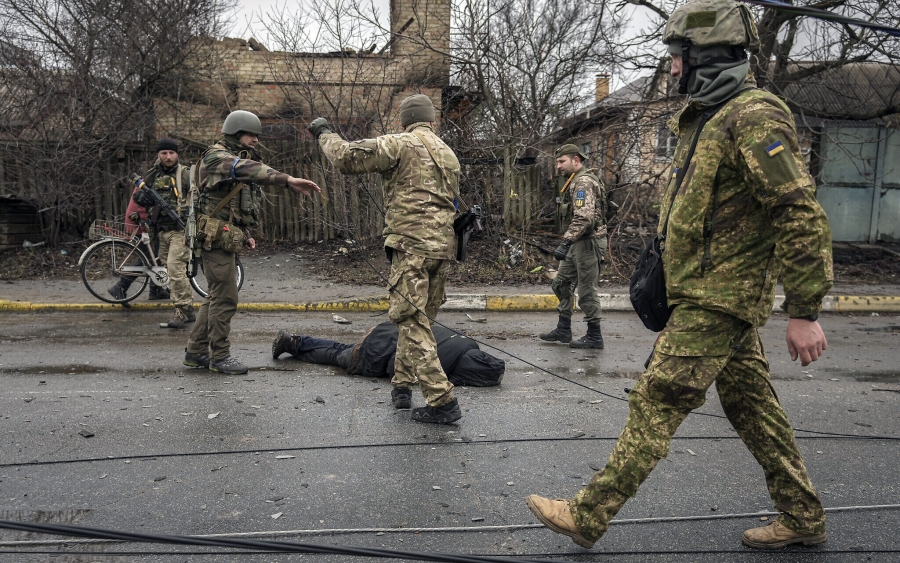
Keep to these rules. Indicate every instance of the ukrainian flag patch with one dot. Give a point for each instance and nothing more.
(774, 148)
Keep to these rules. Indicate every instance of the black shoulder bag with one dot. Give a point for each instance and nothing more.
(647, 289)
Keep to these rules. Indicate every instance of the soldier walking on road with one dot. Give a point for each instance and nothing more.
(420, 178)
(227, 179)
(582, 249)
(746, 212)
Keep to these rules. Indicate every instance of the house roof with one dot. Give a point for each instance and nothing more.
(856, 91)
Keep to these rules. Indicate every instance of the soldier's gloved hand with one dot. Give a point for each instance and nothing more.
(318, 127)
(562, 250)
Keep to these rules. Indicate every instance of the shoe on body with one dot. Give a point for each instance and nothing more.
(281, 344)
(193, 360)
(158, 293)
(556, 515)
(228, 366)
(401, 397)
(444, 414)
(777, 535)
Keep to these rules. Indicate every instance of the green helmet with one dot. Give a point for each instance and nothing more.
(241, 121)
(712, 22)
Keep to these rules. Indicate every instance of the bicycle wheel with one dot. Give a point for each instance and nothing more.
(200, 285)
(115, 263)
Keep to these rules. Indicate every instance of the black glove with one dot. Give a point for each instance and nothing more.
(562, 250)
(318, 126)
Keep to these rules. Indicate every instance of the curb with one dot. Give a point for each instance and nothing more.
(456, 302)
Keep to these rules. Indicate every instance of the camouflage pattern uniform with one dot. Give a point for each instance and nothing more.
(419, 229)
(173, 253)
(583, 212)
(221, 168)
(722, 256)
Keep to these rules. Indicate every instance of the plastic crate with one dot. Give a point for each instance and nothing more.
(103, 229)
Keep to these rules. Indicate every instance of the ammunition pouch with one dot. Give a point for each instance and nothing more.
(250, 204)
(464, 225)
(228, 236)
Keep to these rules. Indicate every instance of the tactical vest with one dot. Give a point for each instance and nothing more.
(243, 209)
(169, 187)
(566, 209)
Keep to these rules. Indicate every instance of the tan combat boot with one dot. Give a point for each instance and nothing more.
(178, 321)
(555, 514)
(776, 535)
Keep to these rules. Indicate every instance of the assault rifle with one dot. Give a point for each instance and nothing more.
(464, 224)
(147, 197)
(190, 231)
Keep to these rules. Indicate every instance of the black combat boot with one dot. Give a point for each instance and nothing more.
(562, 332)
(401, 397)
(158, 293)
(444, 414)
(593, 338)
(120, 290)
(282, 344)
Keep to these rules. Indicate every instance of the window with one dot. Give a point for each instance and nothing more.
(665, 143)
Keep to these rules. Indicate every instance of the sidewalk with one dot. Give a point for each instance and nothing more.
(282, 283)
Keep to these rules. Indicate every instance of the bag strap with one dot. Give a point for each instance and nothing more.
(704, 118)
(226, 199)
(441, 168)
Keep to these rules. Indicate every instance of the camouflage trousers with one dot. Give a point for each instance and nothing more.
(175, 255)
(580, 270)
(697, 348)
(422, 281)
(213, 325)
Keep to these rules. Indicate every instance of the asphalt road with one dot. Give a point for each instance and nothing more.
(178, 451)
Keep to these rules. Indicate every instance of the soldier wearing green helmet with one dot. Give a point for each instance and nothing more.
(739, 210)
(226, 180)
(581, 250)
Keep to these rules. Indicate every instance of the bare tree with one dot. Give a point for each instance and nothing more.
(79, 88)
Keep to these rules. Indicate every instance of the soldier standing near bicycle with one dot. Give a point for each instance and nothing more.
(228, 205)
(420, 178)
(170, 179)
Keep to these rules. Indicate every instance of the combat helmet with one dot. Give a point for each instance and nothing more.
(241, 121)
(705, 23)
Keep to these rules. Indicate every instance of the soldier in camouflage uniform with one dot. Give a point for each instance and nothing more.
(227, 179)
(171, 181)
(581, 251)
(420, 176)
(745, 213)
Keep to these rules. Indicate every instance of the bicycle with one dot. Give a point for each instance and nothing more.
(119, 254)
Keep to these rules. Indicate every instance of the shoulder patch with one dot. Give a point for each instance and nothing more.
(579, 198)
(774, 148)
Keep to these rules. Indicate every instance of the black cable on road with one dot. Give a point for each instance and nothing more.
(266, 545)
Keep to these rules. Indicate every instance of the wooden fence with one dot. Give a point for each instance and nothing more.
(350, 207)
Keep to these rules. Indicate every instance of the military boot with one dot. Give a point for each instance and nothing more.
(562, 332)
(777, 535)
(193, 360)
(189, 313)
(158, 293)
(444, 414)
(282, 344)
(119, 291)
(178, 321)
(556, 515)
(401, 398)
(593, 338)
(228, 366)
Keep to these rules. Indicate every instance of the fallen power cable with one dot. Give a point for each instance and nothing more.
(410, 530)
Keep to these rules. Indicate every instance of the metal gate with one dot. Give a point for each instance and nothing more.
(859, 183)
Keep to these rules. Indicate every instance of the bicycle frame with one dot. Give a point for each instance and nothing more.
(158, 274)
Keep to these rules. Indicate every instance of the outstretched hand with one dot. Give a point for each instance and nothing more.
(805, 340)
(303, 186)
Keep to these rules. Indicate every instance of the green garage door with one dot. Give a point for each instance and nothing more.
(859, 183)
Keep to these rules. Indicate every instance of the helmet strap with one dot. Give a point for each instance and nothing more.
(685, 66)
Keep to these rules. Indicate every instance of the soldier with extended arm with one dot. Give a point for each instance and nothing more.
(420, 177)
(228, 178)
(746, 212)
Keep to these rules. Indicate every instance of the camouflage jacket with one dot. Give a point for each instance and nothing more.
(725, 247)
(586, 216)
(222, 168)
(166, 184)
(420, 209)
